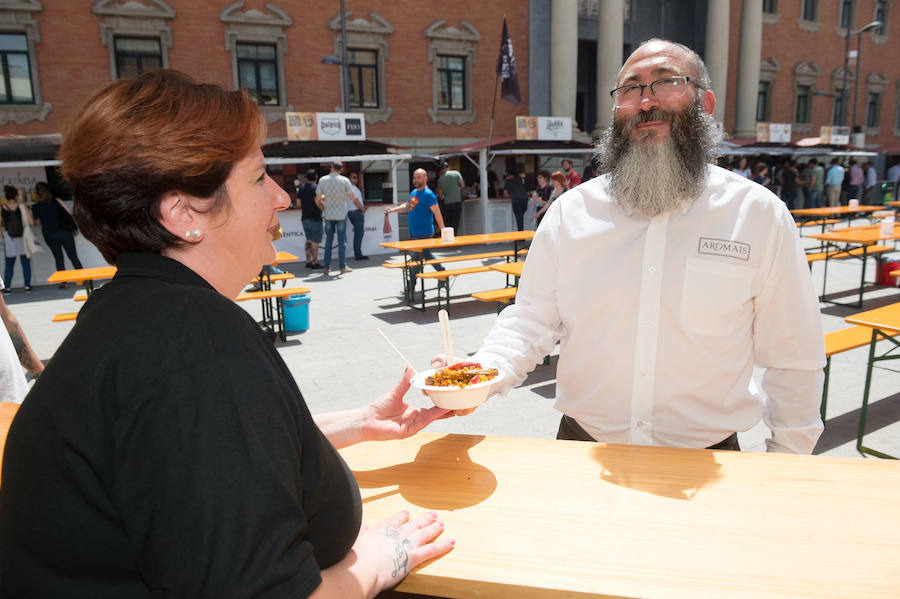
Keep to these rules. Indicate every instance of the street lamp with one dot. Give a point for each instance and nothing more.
(858, 34)
(343, 62)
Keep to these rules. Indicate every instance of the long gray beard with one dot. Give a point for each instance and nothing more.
(648, 178)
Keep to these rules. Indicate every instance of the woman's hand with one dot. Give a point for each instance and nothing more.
(397, 545)
(389, 417)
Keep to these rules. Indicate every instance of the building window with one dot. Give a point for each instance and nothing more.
(897, 123)
(258, 72)
(801, 105)
(881, 15)
(363, 67)
(873, 110)
(367, 55)
(770, 6)
(136, 55)
(15, 88)
(451, 51)
(20, 85)
(837, 107)
(452, 83)
(810, 10)
(848, 11)
(762, 102)
(136, 35)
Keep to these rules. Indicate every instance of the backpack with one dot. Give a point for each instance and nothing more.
(14, 223)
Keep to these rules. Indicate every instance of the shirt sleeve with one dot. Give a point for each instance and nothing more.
(217, 510)
(527, 330)
(789, 343)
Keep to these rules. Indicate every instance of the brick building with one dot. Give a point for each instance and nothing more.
(56, 52)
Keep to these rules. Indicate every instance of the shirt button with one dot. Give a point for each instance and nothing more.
(643, 373)
(640, 424)
(652, 269)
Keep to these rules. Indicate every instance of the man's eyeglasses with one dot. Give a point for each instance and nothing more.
(629, 95)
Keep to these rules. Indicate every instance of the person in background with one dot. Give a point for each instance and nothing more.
(310, 219)
(761, 174)
(166, 449)
(834, 180)
(15, 220)
(790, 184)
(514, 190)
(741, 168)
(572, 178)
(356, 213)
(893, 175)
(870, 195)
(15, 354)
(856, 183)
(588, 172)
(541, 195)
(46, 213)
(816, 184)
(450, 185)
(423, 209)
(666, 280)
(558, 182)
(333, 193)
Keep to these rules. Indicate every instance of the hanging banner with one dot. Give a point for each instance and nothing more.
(325, 126)
(544, 128)
(773, 132)
(839, 136)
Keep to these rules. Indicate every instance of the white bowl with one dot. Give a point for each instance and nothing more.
(455, 398)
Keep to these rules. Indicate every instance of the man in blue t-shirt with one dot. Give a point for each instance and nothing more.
(423, 209)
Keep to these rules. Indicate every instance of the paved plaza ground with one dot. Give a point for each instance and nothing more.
(342, 361)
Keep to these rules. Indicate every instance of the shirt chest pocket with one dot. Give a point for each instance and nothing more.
(717, 297)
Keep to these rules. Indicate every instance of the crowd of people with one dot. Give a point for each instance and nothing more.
(815, 184)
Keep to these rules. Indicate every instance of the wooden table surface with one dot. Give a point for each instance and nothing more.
(415, 245)
(538, 518)
(510, 268)
(834, 210)
(884, 318)
(863, 236)
(7, 413)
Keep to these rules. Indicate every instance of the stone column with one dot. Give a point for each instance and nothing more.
(749, 56)
(716, 58)
(610, 41)
(563, 57)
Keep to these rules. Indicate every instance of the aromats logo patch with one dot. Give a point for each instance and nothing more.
(724, 247)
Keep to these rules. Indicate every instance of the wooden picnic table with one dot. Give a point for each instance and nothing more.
(540, 518)
(412, 250)
(884, 322)
(806, 214)
(862, 238)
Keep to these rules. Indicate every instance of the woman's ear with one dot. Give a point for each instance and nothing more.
(177, 216)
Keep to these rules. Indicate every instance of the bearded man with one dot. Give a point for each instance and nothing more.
(666, 280)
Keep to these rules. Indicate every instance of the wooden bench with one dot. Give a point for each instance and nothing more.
(840, 341)
(872, 250)
(458, 258)
(64, 317)
(818, 223)
(503, 296)
(283, 276)
(443, 280)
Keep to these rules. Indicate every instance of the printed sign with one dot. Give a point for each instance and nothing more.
(773, 132)
(839, 136)
(325, 126)
(544, 128)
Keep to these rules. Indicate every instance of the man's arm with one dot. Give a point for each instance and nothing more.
(436, 210)
(320, 201)
(27, 357)
(789, 343)
(462, 182)
(398, 208)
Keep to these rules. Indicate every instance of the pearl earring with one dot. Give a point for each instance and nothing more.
(195, 234)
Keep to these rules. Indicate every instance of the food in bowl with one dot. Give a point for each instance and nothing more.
(461, 374)
(454, 393)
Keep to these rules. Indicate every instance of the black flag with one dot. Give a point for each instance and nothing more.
(506, 68)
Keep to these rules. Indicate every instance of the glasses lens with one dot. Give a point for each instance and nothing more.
(627, 96)
(669, 87)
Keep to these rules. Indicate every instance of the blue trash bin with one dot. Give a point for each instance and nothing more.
(296, 313)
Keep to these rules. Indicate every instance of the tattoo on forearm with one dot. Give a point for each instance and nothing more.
(401, 552)
(26, 358)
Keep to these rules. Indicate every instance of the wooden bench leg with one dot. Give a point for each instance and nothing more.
(825, 388)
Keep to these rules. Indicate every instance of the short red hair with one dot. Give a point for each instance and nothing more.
(137, 139)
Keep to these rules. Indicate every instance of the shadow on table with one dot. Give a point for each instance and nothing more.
(634, 468)
(441, 477)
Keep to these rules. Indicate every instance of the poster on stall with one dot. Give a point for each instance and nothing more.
(544, 128)
(839, 136)
(325, 126)
(773, 132)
